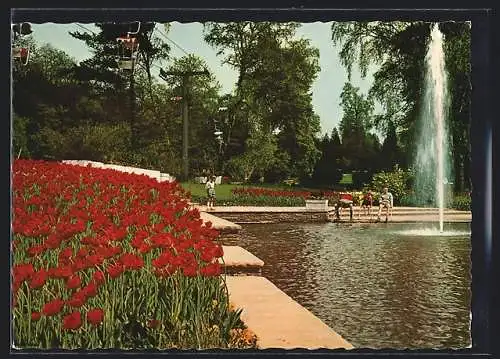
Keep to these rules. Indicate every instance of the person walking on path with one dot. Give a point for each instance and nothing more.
(386, 201)
(210, 187)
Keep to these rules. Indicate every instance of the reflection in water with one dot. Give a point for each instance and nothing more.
(374, 286)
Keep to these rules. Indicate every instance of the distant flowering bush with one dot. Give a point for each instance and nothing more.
(99, 255)
(280, 197)
(255, 192)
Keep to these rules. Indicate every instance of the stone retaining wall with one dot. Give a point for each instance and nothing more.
(277, 217)
(277, 320)
(160, 177)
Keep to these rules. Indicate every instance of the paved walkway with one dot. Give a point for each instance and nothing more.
(255, 209)
(399, 214)
(406, 215)
(410, 218)
(276, 319)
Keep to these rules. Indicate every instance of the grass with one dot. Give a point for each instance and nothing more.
(222, 191)
(346, 178)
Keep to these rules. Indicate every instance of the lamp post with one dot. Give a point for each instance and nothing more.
(185, 76)
(218, 136)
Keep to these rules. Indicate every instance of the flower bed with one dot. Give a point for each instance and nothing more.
(105, 259)
(255, 196)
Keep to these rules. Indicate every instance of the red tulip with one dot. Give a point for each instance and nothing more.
(153, 323)
(73, 282)
(72, 321)
(95, 316)
(115, 270)
(77, 300)
(99, 277)
(35, 316)
(39, 278)
(53, 307)
(211, 270)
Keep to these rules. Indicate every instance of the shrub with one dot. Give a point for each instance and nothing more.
(409, 199)
(397, 181)
(462, 202)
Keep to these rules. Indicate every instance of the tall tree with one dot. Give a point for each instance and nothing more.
(275, 75)
(355, 125)
(102, 68)
(458, 63)
(390, 149)
(240, 44)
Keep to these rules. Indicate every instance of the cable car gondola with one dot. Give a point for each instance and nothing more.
(21, 53)
(128, 47)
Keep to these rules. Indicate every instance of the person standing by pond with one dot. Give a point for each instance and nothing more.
(210, 187)
(386, 201)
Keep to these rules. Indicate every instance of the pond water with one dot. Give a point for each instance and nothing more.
(378, 285)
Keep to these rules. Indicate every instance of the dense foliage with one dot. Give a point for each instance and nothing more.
(273, 99)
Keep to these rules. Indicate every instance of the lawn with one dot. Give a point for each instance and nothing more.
(223, 191)
(346, 178)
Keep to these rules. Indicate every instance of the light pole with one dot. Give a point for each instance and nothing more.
(185, 75)
(218, 136)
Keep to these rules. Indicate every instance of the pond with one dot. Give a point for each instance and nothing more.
(378, 285)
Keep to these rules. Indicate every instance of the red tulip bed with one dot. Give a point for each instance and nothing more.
(105, 259)
(278, 197)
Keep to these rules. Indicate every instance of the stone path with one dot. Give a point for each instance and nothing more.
(420, 218)
(399, 214)
(276, 319)
(255, 209)
(407, 215)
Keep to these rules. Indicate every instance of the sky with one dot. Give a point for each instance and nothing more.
(326, 88)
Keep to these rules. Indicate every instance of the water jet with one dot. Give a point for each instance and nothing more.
(432, 160)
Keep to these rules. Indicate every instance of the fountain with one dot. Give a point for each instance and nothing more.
(432, 159)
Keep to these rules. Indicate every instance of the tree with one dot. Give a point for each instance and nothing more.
(354, 126)
(275, 75)
(20, 136)
(457, 51)
(390, 149)
(102, 69)
(327, 171)
(240, 43)
(62, 115)
(44, 96)
(256, 160)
